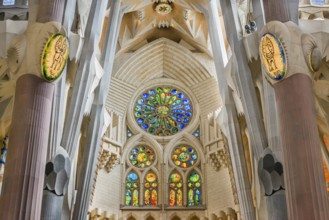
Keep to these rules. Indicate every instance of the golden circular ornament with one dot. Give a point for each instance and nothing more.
(273, 56)
(54, 57)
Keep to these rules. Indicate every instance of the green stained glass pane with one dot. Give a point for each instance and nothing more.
(190, 198)
(167, 90)
(175, 177)
(161, 111)
(128, 198)
(194, 177)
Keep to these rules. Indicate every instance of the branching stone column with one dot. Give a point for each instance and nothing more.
(21, 194)
(55, 185)
(96, 123)
(286, 54)
(230, 124)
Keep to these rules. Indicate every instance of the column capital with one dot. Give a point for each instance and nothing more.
(285, 50)
(26, 51)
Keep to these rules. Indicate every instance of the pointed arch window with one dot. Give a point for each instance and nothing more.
(132, 189)
(194, 189)
(151, 189)
(175, 189)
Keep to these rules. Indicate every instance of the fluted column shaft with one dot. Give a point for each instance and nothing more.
(24, 174)
(232, 126)
(51, 10)
(304, 178)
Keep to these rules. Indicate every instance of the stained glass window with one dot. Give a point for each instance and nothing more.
(163, 111)
(318, 2)
(132, 189)
(194, 190)
(175, 189)
(8, 2)
(184, 156)
(151, 189)
(197, 134)
(142, 156)
(129, 133)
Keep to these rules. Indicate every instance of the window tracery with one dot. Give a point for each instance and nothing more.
(142, 156)
(194, 189)
(151, 189)
(132, 189)
(175, 189)
(163, 111)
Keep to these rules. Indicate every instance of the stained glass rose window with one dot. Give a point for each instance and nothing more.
(163, 111)
(142, 156)
(184, 156)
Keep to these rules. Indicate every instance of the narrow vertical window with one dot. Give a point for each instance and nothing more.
(194, 190)
(132, 189)
(151, 189)
(175, 189)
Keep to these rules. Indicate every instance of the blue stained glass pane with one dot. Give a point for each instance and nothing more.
(318, 2)
(152, 92)
(180, 95)
(8, 2)
(188, 114)
(140, 121)
(132, 177)
(145, 95)
(145, 126)
(181, 126)
(185, 101)
(187, 107)
(140, 101)
(185, 120)
(174, 91)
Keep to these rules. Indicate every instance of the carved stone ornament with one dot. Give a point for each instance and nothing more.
(54, 57)
(285, 51)
(273, 56)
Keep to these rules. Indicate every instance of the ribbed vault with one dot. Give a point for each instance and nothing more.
(162, 58)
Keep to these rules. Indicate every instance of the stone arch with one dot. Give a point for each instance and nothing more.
(154, 61)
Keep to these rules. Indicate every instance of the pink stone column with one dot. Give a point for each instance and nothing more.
(21, 193)
(307, 198)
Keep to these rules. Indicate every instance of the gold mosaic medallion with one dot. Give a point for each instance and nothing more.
(273, 56)
(54, 57)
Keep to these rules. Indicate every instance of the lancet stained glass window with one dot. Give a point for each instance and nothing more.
(175, 189)
(163, 111)
(142, 156)
(151, 189)
(132, 189)
(184, 156)
(194, 190)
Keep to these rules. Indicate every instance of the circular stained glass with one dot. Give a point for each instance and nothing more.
(175, 177)
(151, 177)
(163, 111)
(142, 156)
(184, 156)
(194, 177)
(132, 177)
